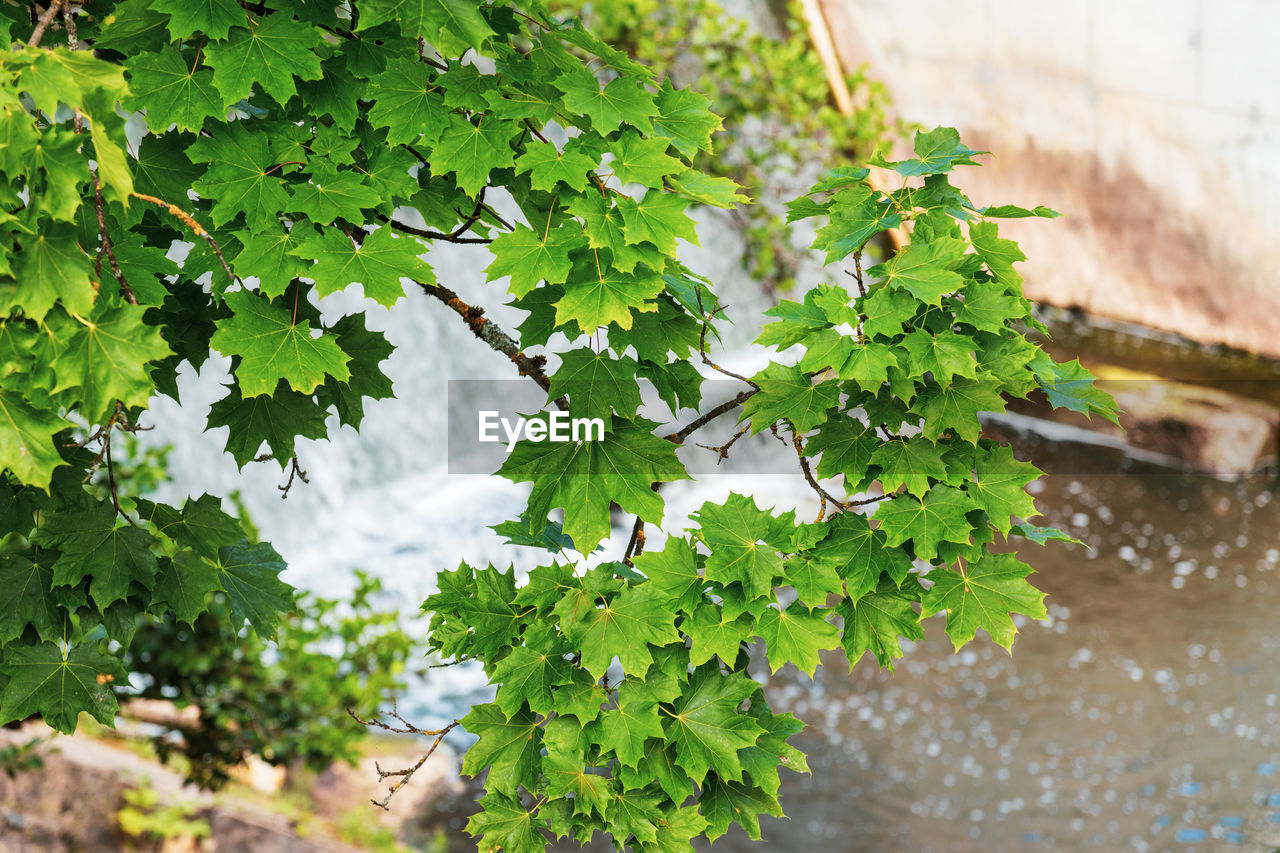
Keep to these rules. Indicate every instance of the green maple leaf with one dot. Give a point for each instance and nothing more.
(1012, 211)
(379, 263)
(530, 257)
(473, 151)
(269, 55)
(175, 93)
(910, 462)
(859, 554)
(250, 574)
(642, 160)
(107, 357)
(528, 676)
(548, 166)
(243, 177)
(214, 18)
(508, 746)
(997, 253)
(44, 681)
(685, 117)
(277, 418)
(623, 628)
(596, 384)
(1069, 385)
(133, 26)
(856, 215)
(603, 225)
(887, 310)
(368, 349)
(659, 218)
(272, 347)
(988, 307)
(409, 104)
(938, 151)
(92, 544)
(634, 814)
(428, 19)
(503, 823)
(584, 478)
(867, 363)
(796, 635)
(705, 189)
(26, 438)
(706, 727)
(787, 393)
(877, 622)
(622, 100)
(51, 267)
(200, 525)
(724, 802)
(270, 258)
(772, 752)
(674, 572)
(490, 611)
(625, 729)
(331, 195)
(945, 354)
(845, 446)
(713, 634)
(659, 765)
(983, 595)
(184, 584)
(955, 408)
(999, 486)
(599, 294)
(29, 598)
(744, 543)
(1041, 535)
(939, 517)
(924, 269)
(813, 579)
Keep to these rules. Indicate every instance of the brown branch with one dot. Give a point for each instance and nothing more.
(69, 24)
(295, 470)
(43, 24)
(679, 436)
(722, 452)
(409, 728)
(428, 234)
(196, 228)
(492, 334)
(105, 247)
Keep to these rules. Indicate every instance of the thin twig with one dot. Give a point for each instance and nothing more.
(43, 24)
(105, 247)
(428, 234)
(722, 452)
(679, 436)
(189, 221)
(405, 727)
(492, 334)
(295, 470)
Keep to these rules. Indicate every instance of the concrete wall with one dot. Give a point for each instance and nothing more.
(1154, 125)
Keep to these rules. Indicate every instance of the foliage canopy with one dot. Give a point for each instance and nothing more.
(292, 150)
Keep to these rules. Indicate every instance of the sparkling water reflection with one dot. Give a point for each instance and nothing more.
(1142, 716)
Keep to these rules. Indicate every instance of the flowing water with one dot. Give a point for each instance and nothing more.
(1143, 716)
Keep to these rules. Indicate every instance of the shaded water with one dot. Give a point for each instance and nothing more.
(1145, 715)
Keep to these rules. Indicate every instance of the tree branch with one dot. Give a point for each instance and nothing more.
(492, 334)
(43, 24)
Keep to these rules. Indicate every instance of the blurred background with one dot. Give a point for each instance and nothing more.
(1145, 714)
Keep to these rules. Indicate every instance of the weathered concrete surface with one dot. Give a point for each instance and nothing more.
(1153, 125)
